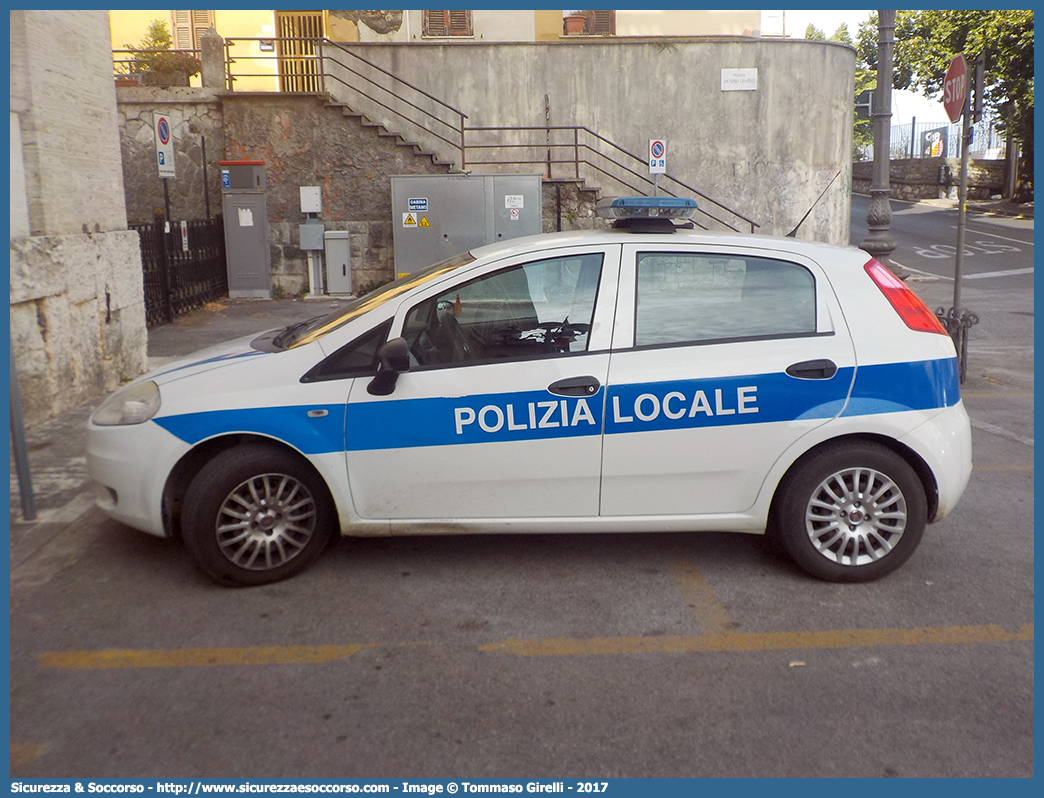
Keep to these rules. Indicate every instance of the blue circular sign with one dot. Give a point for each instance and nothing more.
(163, 130)
(657, 149)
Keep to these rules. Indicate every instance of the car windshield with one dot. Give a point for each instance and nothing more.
(304, 332)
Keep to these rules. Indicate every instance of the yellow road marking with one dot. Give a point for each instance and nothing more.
(766, 641)
(196, 657)
(699, 596)
(23, 754)
(554, 647)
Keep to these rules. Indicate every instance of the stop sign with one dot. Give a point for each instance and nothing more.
(955, 88)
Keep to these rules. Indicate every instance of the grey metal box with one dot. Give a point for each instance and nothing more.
(338, 262)
(242, 175)
(311, 236)
(438, 216)
(248, 253)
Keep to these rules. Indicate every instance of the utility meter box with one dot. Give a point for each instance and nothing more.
(311, 236)
(248, 253)
(438, 216)
(242, 175)
(338, 262)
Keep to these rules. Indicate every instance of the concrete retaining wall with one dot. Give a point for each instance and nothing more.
(767, 153)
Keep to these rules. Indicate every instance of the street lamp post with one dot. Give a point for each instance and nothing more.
(879, 241)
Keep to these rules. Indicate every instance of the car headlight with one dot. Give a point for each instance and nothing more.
(134, 404)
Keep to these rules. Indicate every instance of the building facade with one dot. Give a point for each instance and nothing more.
(77, 304)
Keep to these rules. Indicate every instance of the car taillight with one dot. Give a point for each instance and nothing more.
(907, 304)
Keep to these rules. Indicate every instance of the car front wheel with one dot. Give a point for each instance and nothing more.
(852, 512)
(255, 514)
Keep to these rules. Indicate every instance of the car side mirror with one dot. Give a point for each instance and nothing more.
(394, 359)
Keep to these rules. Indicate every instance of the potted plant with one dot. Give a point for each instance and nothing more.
(157, 63)
(574, 22)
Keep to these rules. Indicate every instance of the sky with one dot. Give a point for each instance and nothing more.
(905, 104)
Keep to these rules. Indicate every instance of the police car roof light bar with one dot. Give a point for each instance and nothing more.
(647, 214)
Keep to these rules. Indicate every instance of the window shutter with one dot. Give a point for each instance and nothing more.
(189, 26)
(459, 23)
(601, 23)
(436, 23)
(447, 23)
(182, 30)
(201, 20)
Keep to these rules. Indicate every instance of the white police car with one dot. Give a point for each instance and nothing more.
(615, 381)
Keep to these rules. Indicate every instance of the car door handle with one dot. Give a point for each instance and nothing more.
(575, 386)
(813, 369)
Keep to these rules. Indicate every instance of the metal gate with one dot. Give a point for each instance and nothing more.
(298, 66)
(177, 279)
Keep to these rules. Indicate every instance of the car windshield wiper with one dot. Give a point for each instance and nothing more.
(290, 329)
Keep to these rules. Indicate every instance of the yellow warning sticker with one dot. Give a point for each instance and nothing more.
(424, 222)
(409, 220)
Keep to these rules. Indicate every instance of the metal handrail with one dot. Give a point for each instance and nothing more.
(644, 182)
(323, 59)
(127, 66)
(461, 116)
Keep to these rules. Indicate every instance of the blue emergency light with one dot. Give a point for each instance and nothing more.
(649, 214)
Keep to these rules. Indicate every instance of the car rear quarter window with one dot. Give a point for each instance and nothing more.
(699, 298)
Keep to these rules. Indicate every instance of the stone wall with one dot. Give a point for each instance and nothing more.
(196, 124)
(305, 142)
(77, 303)
(77, 318)
(567, 206)
(919, 178)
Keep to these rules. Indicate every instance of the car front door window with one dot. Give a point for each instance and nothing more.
(535, 310)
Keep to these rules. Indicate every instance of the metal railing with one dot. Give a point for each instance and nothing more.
(518, 146)
(136, 62)
(365, 86)
(177, 279)
(318, 63)
(933, 140)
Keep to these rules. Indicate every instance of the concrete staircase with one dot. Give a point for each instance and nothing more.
(396, 138)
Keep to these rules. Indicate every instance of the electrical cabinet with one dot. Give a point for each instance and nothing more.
(438, 216)
(248, 254)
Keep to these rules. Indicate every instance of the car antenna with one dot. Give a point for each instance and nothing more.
(793, 232)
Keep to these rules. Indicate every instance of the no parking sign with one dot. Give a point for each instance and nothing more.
(164, 144)
(657, 157)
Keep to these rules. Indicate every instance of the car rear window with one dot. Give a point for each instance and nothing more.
(694, 298)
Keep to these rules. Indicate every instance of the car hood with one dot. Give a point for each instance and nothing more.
(213, 357)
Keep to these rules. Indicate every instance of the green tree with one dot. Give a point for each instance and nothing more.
(927, 41)
(153, 53)
(157, 37)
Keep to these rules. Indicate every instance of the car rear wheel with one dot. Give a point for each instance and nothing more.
(255, 514)
(852, 512)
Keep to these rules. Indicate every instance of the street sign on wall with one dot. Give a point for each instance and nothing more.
(955, 88)
(164, 144)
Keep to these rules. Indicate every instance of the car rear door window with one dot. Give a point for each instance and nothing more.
(697, 297)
